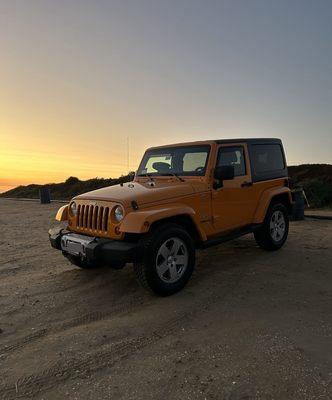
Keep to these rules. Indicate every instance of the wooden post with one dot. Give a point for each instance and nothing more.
(45, 195)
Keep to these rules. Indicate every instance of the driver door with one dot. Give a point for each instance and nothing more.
(233, 204)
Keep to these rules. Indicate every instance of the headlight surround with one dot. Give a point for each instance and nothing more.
(118, 213)
(73, 208)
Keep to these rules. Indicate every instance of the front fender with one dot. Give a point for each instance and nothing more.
(62, 214)
(140, 221)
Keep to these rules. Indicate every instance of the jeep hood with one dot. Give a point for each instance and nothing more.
(142, 193)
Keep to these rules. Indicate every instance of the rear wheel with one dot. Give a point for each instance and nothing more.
(273, 234)
(168, 261)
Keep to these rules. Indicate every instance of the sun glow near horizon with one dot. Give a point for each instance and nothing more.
(23, 167)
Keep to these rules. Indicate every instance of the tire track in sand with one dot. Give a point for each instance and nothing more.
(86, 319)
(30, 385)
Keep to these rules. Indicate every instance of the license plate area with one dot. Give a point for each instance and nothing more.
(75, 244)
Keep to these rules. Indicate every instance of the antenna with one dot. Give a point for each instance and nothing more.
(127, 154)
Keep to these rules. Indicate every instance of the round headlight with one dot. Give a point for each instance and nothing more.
(118, 213)
(73, 208)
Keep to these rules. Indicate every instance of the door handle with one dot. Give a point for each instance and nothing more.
(246, 184)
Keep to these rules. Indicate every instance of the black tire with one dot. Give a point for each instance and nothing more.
(146, 270)
(82, 263)
(264, 236)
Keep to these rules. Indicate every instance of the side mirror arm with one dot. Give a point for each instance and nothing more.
(217, 184)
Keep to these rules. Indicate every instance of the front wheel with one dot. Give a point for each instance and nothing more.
(273, 234)
(168, 261)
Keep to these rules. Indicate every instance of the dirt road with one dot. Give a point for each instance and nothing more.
(250, 324)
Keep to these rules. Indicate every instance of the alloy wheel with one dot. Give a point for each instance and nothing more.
(277, 226)
(172, 260)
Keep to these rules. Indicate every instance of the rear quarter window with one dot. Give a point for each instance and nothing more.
(267, 158)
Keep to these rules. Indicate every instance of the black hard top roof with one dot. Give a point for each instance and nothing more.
(250, 140)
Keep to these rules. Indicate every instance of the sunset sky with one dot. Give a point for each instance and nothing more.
(77, 78)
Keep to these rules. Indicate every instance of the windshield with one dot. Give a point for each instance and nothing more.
(187, 160)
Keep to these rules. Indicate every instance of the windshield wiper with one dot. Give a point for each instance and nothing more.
(173, 174)
(148, 176)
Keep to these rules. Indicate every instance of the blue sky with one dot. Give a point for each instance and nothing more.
(89, 74)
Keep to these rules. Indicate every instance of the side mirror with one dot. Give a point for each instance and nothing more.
(223, 173)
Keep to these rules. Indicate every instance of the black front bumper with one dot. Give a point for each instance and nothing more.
(100, 250)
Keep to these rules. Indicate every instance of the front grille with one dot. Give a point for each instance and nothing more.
(93, 218)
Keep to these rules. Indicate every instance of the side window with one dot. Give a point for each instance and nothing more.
(232, 156)
(267, 158)
(194, 161)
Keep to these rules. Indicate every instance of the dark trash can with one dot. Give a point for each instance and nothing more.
(45, 195)
(298, 207)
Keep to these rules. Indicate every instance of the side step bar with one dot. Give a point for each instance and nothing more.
(230, 236)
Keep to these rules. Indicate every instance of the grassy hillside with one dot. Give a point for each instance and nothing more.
(316, 179)
(65, 190)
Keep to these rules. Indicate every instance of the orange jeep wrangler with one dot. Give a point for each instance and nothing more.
(183, 197)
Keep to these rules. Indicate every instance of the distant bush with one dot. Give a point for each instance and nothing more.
(71, 180)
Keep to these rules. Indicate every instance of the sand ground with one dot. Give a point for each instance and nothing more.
(250, 324)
